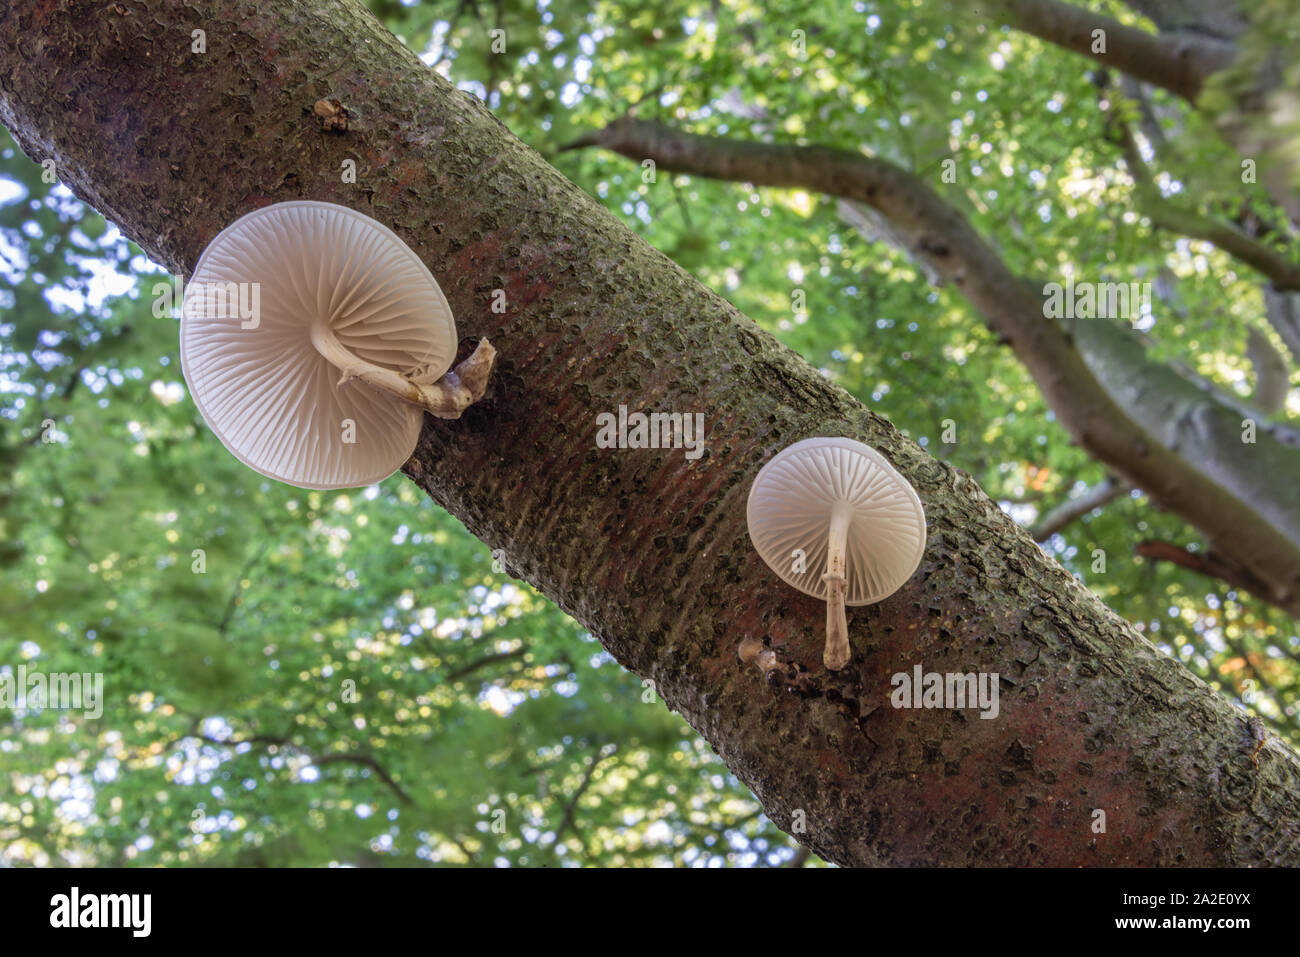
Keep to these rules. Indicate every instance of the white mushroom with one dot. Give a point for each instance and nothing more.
(313, 340)
(835, 520)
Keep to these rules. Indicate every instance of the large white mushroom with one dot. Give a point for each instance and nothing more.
(835, 520)
(313, 340)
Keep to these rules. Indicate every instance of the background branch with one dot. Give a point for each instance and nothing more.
(1107, 490)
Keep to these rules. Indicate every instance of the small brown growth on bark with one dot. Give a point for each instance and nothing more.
(332, 115)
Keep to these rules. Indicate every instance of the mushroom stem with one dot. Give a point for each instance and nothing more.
(837, 652)
(447, 398)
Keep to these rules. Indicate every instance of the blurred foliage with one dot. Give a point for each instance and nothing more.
(1271, 120)
(297, 677)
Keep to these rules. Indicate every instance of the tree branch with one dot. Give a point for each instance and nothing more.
(232, 604)
(1165, 214)
(1211, 566)
(284, 741)
(1180, 63)
(366, 760)
(1170, 215)
(1283, 312)
(1107, 490)
(483, 662)
(571, 806)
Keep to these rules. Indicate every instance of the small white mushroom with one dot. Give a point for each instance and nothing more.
(835, 520)
(313, 340)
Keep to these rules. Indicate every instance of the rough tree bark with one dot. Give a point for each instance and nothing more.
(647, 549)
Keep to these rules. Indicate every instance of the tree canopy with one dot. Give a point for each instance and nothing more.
(314, 677)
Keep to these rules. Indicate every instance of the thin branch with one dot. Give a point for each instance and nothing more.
(318, 760)
(368, 761)
(483, 662)
(1148, 122)
(73, 381)
(585, 141)
(1284, 273)
(570, 808)
(681, 205)
(270, 739)
(1213, 566)
(232, 604)
(1105, 491)
(470, 856)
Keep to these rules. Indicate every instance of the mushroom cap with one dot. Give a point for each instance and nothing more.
(267, 393)
(790, 507)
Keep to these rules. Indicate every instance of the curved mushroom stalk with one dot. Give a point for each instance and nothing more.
(837, 652)
(330, 292)
(446, 398)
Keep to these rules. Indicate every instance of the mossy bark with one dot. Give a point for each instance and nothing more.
(645, 547)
